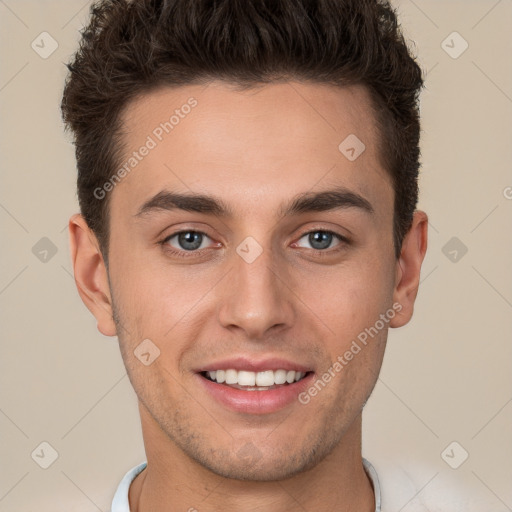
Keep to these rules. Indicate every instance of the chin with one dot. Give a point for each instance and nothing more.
(249, 463)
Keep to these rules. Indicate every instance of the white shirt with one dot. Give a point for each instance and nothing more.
(121, 503)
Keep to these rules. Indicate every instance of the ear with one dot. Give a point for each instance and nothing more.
(408, 268)
(91, 274)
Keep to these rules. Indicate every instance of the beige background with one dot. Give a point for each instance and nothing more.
(446, 376)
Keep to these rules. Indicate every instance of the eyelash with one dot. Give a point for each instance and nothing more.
(344, 241)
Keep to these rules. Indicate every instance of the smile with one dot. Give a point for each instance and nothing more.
(254, 381)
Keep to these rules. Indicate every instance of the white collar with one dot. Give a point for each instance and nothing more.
(120, 502)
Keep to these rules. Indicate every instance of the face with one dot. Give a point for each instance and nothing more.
(245, 243)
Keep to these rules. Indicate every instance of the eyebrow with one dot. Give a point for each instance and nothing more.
(338, 198)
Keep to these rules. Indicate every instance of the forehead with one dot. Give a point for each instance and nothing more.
(269, 140)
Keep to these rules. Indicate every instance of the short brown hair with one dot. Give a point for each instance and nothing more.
(132, 47)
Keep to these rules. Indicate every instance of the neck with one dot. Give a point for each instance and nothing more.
(173, 481)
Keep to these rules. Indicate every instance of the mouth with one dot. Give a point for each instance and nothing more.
(255, 387)
(255, 381)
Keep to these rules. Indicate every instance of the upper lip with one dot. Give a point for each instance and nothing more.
(252, 365)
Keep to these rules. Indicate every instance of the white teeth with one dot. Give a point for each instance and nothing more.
(253, 380)
(246, 378)
(231, 377)
(265, 378)
(279, 377)
(290, 376)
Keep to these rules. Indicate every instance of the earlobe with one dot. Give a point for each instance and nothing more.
(408, 268)
(91, 274)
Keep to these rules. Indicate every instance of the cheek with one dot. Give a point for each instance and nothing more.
(350, 298)
(144, 282)
(157, 300)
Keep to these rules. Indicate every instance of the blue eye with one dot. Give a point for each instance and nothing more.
(190, 243)
(187, 240)
(320, 240)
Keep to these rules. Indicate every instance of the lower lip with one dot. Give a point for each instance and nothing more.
(256, 402)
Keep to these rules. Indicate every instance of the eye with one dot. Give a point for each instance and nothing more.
(187, 240)
(321, 239)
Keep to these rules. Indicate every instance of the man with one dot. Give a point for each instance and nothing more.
(247, 178)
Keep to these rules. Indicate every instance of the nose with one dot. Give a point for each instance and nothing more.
(255, 297)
